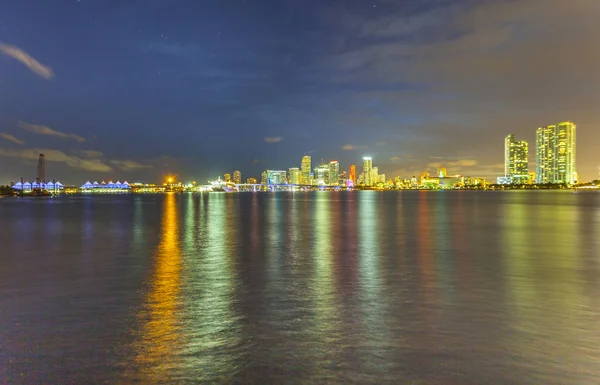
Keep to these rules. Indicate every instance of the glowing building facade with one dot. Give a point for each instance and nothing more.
(237, 177)
(516, 160)
(322, 174)
(353, 173)
(367, 170)
(305, 167)
(555, 154)
(276, 177)
(334, 172)
(294, 175)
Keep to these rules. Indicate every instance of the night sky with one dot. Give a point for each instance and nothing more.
(135, 90)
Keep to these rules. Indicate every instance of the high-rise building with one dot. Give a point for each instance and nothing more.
(276, 177)
(555, 154)
(264, 179)
(41, 171)
(305, 170)
(334, 172)
(353, 173)
(374, 176)
(294, 175)
(251, 181)
(516, 160)
(322, 174)
(227, 178)
(237, 177)
(367, 169)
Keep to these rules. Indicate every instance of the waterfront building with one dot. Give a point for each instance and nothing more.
(105, 188)
(251, 181)
(374, 176)
(294, 175)
(555, 154)
(353, 173)
(305, 168)
(382, 178)
(361, 179)
(237, 177)
(263, 178)
(29, 187)
(322, 174)
(227, 178)
(276, 177)
(516, 160)
(334, 172)
(367, 171)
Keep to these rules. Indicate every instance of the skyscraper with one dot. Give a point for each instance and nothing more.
(227, 178)
(305, 170)
(294, 175)
(334, 172)
(555, 154)
(374, 176)
(367, 169)
(322, 174)
(353, 173)
(516, 159)
(41, 176)
(237, 177)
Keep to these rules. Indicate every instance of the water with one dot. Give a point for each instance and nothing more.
(366, 287)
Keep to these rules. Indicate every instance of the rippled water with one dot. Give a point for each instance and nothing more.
(366, 287)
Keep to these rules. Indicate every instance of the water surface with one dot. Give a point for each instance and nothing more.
(368, 287)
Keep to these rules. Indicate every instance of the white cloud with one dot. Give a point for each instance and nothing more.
(22, 56)
(58, 156)
(273, 139)
(44, 130)
(11, 138)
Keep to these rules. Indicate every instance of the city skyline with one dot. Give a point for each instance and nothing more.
(254, 85)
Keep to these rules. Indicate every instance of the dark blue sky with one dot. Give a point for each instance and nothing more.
(134, 90)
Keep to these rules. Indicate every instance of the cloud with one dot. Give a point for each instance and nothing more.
(11, 138)
(22, 56)
(128, 165)
(273, 139)
(44, 130)
(351, 147)
(58, 156)
(91, 154)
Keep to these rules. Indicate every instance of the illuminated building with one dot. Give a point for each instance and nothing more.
(105, 188)
(516, 159)
(305, 167)
(294, 175)
(237, 177)
(353, 173)
(322, 174)
(555, 154)
(367, 170)
(227, 178)
(251, 181)
(276, 177)
(382, 178)
(374, 176)
(334, 172)
(441, 171)
(263, 178)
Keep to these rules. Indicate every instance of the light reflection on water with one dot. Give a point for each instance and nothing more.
(367, 287)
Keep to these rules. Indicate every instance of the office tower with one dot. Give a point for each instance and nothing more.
(334, 172)
(305, 170)
(276, 177)
(516, 159)
(555, 154)
(374, 176)
(294, 175)
(41, 171)
(251, 181)
(367, 170)
(353, 173)
(227, 178)
(322, 174)
(237, 177)
(441, 172)
(264, 178)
